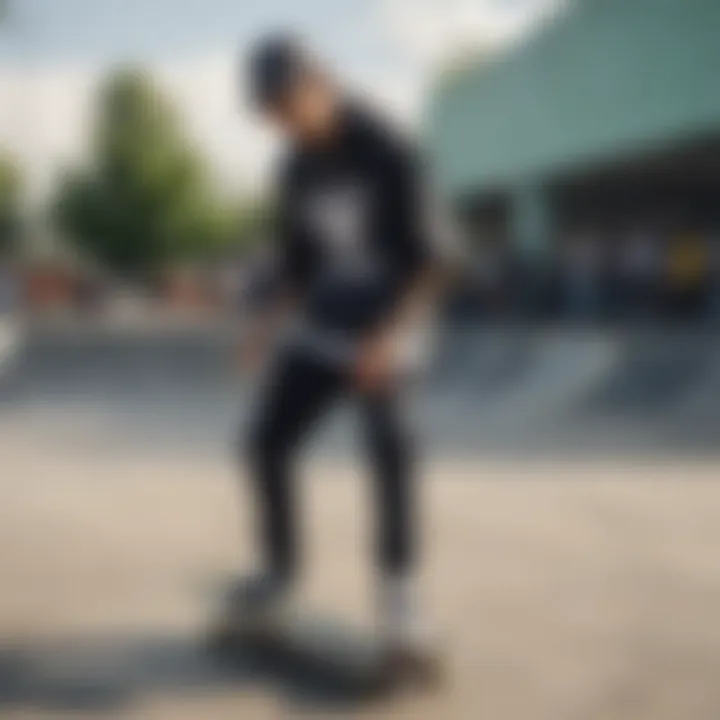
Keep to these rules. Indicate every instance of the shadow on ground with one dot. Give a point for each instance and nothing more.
(118, 673)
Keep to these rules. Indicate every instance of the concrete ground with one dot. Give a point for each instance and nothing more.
(566, 590)
(568, 585)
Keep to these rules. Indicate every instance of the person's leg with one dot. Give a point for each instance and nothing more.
(300, 390)
(392, 453)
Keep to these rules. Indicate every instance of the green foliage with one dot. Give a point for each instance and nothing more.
(254, 222)
(145, 199)
(10, 190)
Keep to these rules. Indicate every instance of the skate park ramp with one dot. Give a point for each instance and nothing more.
(504, 391)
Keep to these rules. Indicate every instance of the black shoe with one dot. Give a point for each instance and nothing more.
(256, 604)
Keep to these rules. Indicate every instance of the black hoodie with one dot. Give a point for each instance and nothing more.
(353, 233)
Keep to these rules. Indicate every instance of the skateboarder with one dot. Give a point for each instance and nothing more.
(358, 273)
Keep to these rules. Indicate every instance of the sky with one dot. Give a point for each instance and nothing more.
(53, 53)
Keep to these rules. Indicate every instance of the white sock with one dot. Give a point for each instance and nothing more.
(400, 617)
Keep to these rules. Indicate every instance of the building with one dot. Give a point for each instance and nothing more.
(609, 115)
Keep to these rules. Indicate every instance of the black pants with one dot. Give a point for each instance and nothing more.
(301, 390)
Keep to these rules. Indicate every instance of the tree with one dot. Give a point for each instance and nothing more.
(145, 198)
(255, 221)
(10, 191)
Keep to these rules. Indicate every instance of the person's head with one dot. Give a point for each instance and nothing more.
(292, 90)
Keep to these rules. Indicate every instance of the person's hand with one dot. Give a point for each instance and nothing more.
(375, 366)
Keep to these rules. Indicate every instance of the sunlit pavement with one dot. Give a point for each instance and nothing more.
(579, 586)
(558, 598)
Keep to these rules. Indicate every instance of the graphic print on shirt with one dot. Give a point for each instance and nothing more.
(337, 217)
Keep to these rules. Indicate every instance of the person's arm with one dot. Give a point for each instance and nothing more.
(292, 267)
(262, 329)
(423, 244)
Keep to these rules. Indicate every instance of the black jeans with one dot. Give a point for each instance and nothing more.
(301, 390)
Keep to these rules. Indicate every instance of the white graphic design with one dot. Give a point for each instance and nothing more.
(337, 216)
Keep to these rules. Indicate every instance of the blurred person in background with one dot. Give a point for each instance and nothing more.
(640, 270)
(490, 267)
(713, 289)
(688, 269)
(479, 293)
(357, 274)
(582, 277)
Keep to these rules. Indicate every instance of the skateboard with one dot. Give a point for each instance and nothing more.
(327, 651)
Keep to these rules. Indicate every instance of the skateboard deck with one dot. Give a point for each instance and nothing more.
(319, 649)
